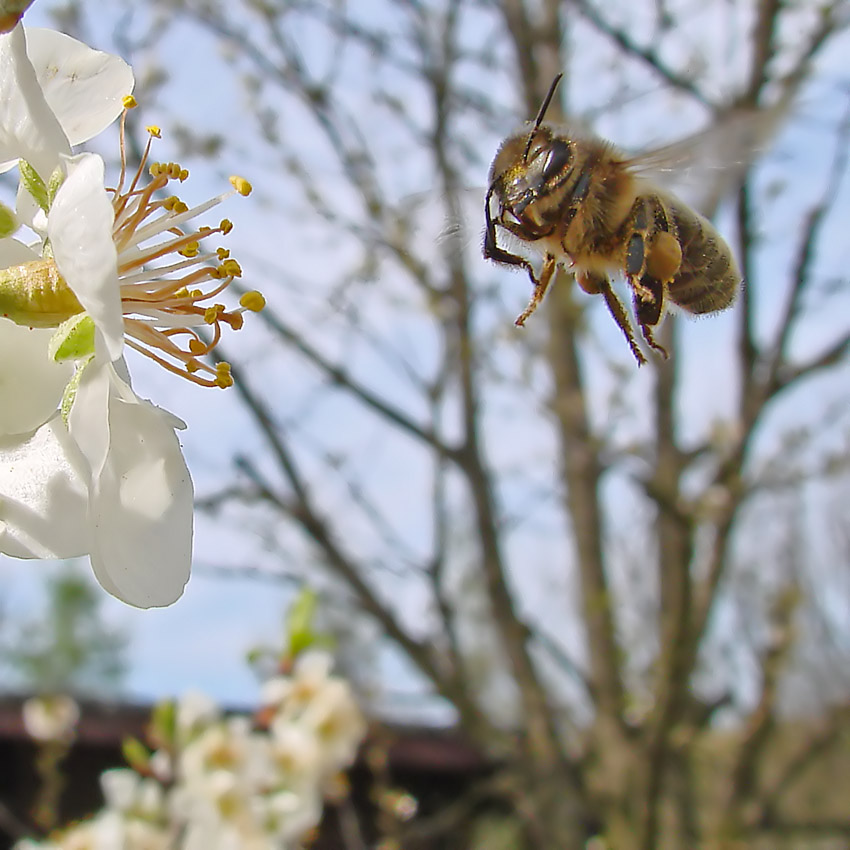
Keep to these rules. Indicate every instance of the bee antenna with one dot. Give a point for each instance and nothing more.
(541, 113)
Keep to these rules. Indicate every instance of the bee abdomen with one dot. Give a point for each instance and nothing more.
(708, 277)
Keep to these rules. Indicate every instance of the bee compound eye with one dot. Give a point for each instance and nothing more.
(557, 159)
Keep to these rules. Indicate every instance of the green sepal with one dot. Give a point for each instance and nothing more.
(300, 622)
(33, 183)
(54, 184)
(71, 389)
(14, 9)
(8, 221)
(73, 340)
(136, 754)
(255, 655)
(163, 725)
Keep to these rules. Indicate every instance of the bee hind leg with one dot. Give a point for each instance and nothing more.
(648, 302)
(646, 331)
(652, 259)
(540, 287)
(601, 284)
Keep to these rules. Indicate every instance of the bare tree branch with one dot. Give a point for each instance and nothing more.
(315, 526)
(647, 56)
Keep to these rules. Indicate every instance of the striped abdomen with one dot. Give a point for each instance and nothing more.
(708, 278)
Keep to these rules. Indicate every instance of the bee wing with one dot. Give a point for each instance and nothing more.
(429, 218)
(705, 167)
(426, 221)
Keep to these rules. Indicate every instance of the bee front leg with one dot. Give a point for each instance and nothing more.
(540, 287)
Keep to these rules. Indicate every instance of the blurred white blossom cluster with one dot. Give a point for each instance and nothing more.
(216, 782)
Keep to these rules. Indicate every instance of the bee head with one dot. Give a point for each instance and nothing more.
(528, 168)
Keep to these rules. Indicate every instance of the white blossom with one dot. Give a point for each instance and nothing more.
(50, 718)
(121, 266)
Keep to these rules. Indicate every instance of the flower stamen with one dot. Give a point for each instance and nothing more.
(168, 281)
(163, 304)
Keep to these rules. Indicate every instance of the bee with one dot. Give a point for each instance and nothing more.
(582, 203)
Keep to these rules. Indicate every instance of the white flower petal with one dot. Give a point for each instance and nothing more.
(29, 212)
(43, 500)
(13, 253)
(275, 690)
(80, 231)
(50, 718)
(141, 508)
(31, 384)
(314, 666)
(28, 127)
(195, 710)
(85, 88)
(120, 788)
(89, 418)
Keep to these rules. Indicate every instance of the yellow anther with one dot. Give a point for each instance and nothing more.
(197, 347)
(232, 268)
(222, 253)
(241, 185)
(191, 250)
(236, 321)
(192, 366)
(212, 313)
(226, 226)
(155, 169)
(253, 301)
(197, 293)
(129, 102)
(174, 170)
(184, 174)
(155, 131)
(223, 377)
(183, 292)
(175, 205)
